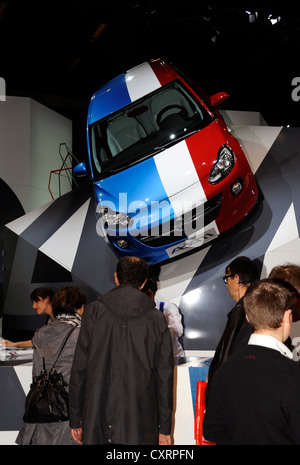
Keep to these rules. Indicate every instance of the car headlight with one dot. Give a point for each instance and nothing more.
(223, 166)
(114, 220)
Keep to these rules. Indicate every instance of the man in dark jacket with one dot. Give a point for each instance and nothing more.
(121, 387)
(239, 274)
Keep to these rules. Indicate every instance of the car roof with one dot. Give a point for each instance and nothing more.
(130, 86)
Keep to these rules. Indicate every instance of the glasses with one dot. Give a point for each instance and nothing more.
(225, 278)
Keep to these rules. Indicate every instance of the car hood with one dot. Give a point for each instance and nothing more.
(173, 174)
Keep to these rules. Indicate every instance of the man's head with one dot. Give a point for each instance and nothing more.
(150, 287)
(239, 274)
(268, 306)
(289, 273)
(132, 270)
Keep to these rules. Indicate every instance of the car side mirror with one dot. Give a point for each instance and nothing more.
(80, 170)
(218, 99)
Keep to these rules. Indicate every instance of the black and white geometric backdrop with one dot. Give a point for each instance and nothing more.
(58, 244)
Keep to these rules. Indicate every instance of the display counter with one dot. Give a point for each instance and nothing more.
(15, 379)
(16, 375)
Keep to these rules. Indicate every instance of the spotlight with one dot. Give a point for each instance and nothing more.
(274, 20)
(252, 16)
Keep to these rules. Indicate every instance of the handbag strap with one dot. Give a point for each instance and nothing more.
(60, 350)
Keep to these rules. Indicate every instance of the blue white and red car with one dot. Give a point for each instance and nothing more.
(168, 175)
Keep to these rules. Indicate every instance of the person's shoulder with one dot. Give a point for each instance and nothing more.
(157, 318)
(272, 358)
(170, 306)
(238, 359)
(94, 306)
(289, 372)
(294, 366)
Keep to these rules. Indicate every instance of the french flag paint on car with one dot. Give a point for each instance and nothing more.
(180, 190)
(121, 91)
(183, 186)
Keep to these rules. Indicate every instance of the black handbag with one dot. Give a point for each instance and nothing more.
(47, 400)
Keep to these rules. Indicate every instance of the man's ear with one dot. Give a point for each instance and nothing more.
(287, 315)
(237, 278)
(141, 287)
(116, 279)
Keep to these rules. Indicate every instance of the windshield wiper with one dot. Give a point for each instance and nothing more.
(158, 149)
(135, 161)
(175, 140)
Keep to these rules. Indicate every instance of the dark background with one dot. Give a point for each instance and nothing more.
(61, 52)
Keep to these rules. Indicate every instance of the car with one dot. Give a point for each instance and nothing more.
(168, 175)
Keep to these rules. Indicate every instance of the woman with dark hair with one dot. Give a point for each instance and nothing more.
(67, 305)
(41, 298)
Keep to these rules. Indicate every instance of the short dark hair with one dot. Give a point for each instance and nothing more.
(67, 300)
(265, 302)
(150, 285)
(132, 270)
(245, 268)
(41, 293)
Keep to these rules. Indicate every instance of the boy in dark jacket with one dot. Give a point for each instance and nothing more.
(255, 397)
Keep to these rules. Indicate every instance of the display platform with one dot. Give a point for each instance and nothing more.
(15, 380)
(16, 376)
(12, 356)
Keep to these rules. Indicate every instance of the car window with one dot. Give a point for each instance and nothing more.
(140, 129)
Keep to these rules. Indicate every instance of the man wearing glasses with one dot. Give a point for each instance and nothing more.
(239, 274)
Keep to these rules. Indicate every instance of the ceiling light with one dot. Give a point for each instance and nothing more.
(252, 16)
(274, 20)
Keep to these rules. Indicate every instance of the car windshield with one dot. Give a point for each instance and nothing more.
(141, 129)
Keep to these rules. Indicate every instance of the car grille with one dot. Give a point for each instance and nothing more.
(176, 228)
